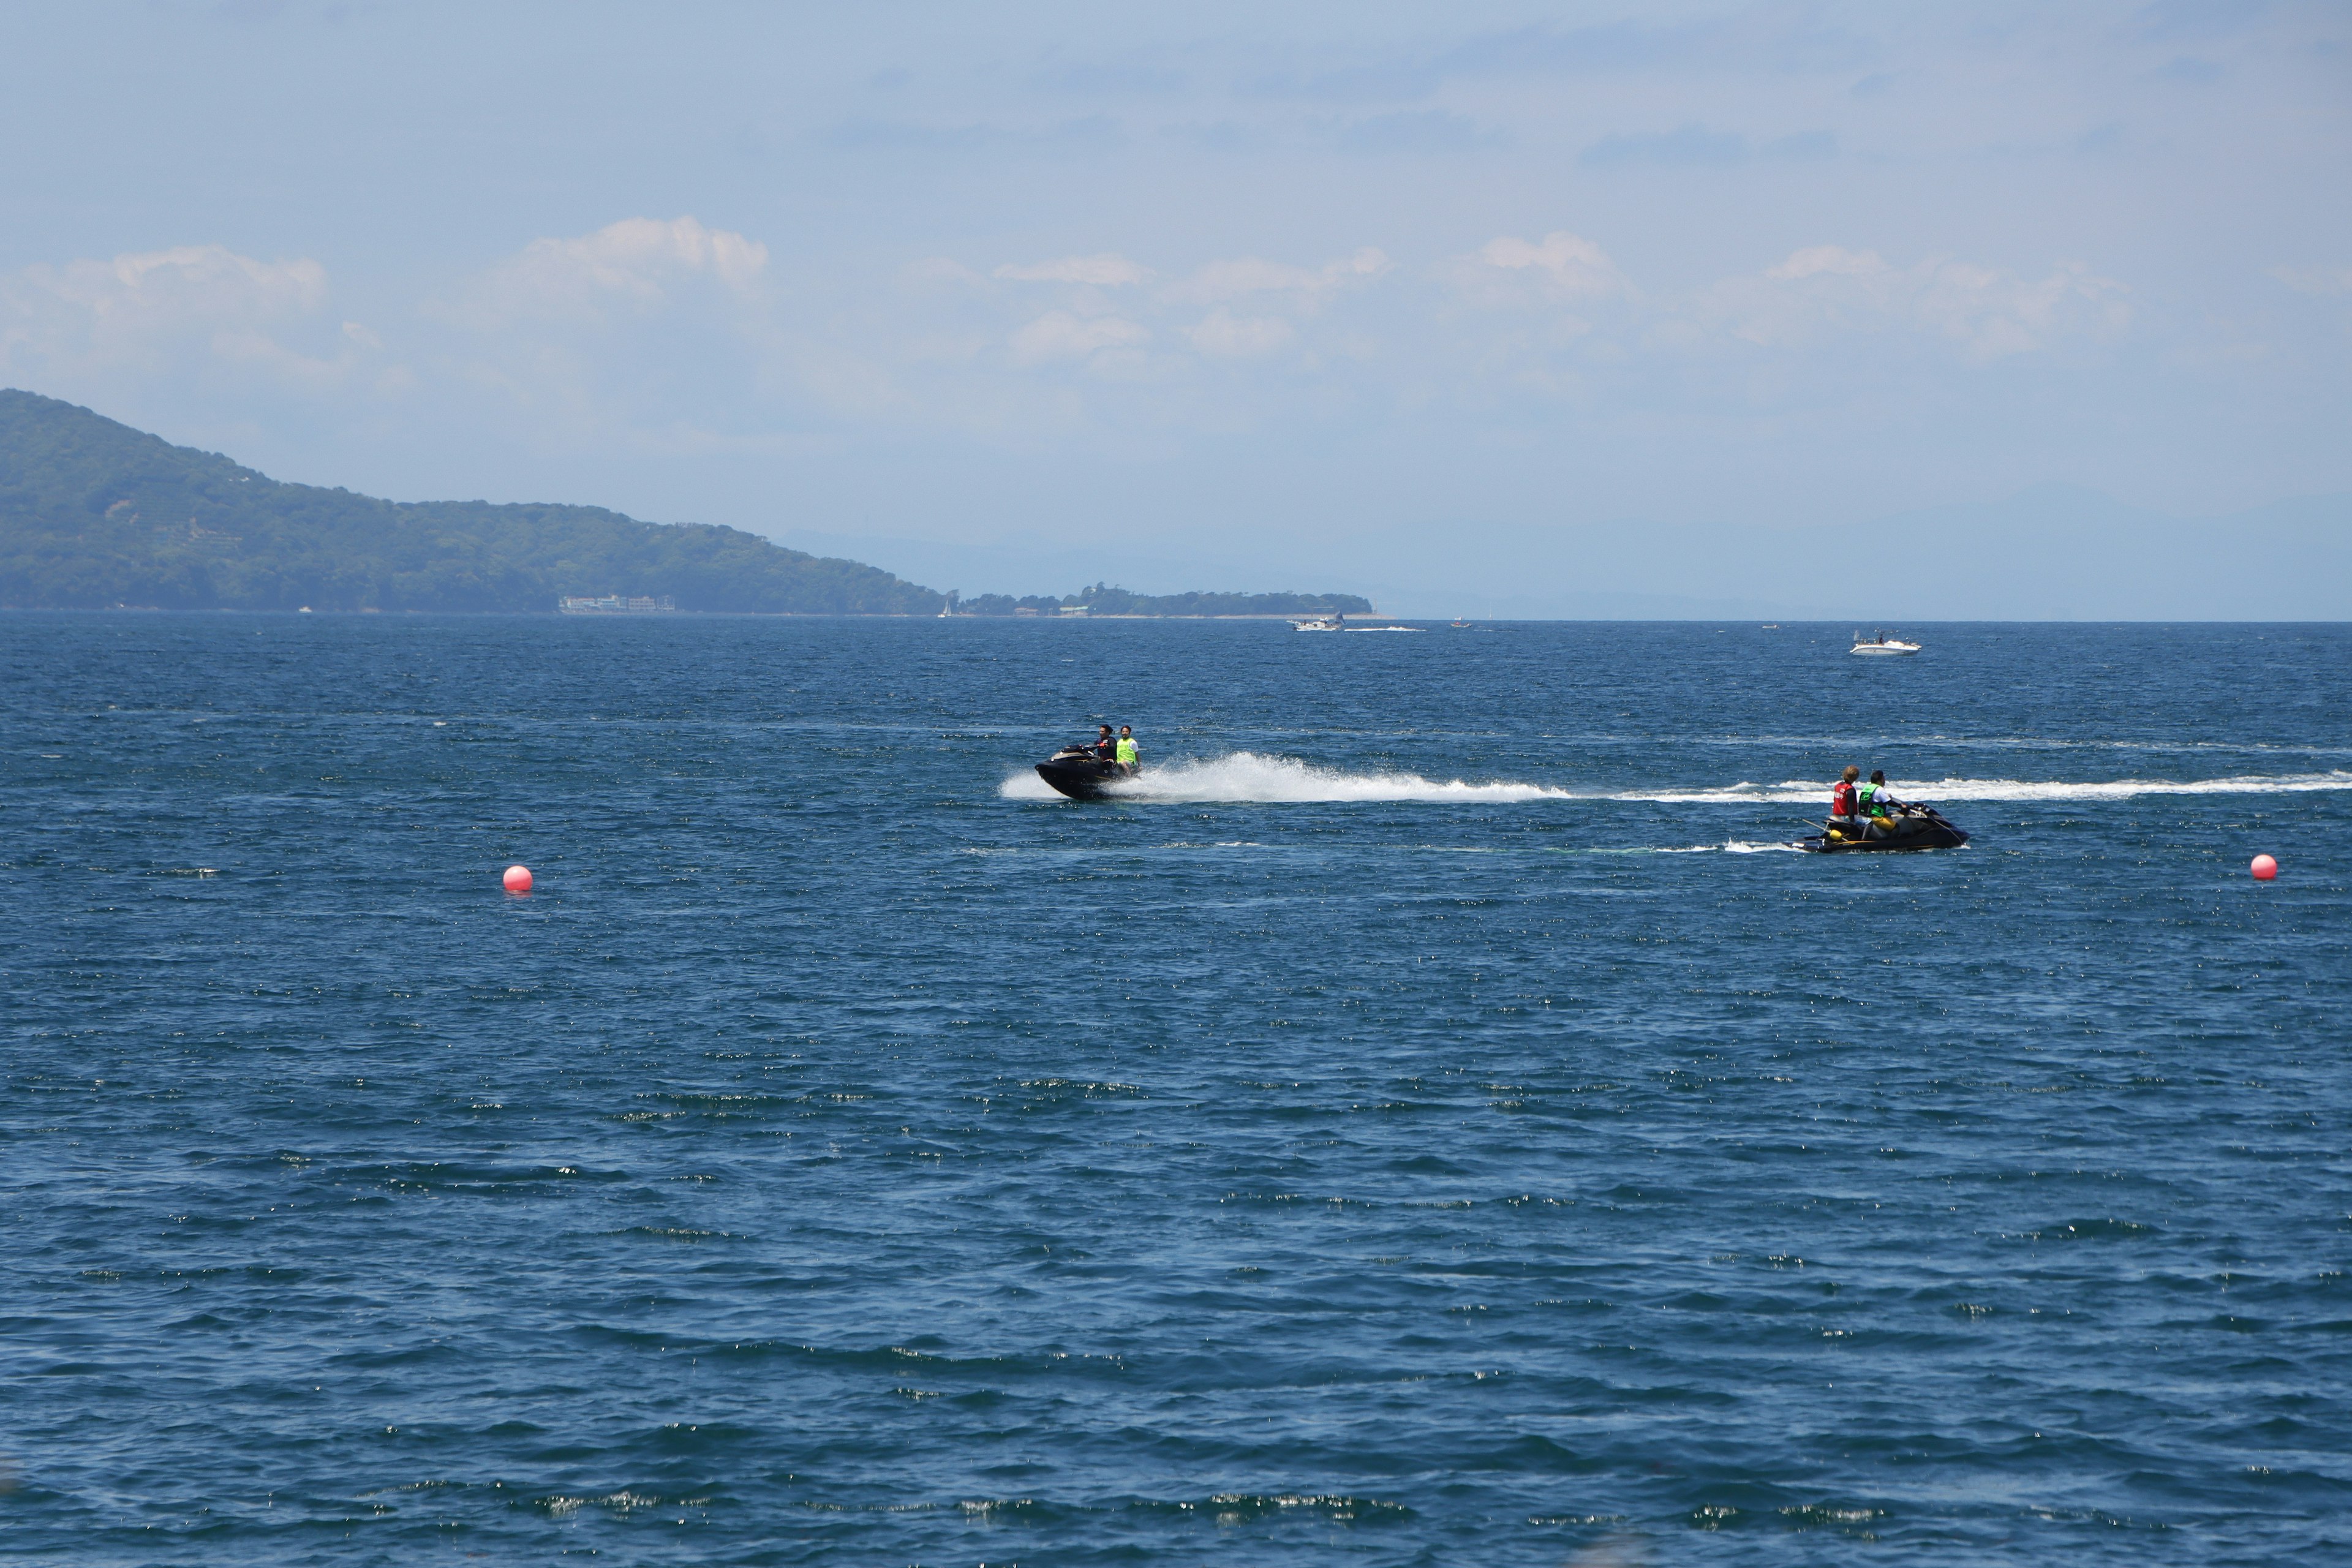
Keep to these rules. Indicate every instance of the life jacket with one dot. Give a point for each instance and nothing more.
(1841, 800)
(1868, 794)
(1106, 748)
(1126, 752)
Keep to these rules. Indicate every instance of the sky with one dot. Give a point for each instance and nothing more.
(1444, 302)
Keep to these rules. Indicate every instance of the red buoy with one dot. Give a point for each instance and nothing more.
(2264, 867)
(518, 878)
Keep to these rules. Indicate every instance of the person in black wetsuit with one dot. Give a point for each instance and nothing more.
(1106, 745)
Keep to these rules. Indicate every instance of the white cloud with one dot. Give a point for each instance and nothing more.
(1250, 275)
(136, 293)
(2315, 279)
(1107, 270)
(1815, 260)
(1224, 336)
(1570, 262)
(259, 350)
(147, 309)
(632, 332)
(638, 262)
(1990, 313)
(1058, 334)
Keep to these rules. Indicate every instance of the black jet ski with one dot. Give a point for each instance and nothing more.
(1077, 772)
(1918, 827)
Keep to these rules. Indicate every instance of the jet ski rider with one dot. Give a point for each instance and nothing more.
(1844, 807)
(1885, 815)
(1125, 754)
(1105, 747)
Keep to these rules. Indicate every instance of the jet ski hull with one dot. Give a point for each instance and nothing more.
(1082, 778)
(1929, 831)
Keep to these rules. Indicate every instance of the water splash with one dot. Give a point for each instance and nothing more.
(1804, 791)
(1240, 776)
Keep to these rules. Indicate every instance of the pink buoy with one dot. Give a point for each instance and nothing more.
(2264, 867)
(518, 878)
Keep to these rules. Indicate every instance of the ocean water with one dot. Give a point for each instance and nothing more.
(1434, 1120)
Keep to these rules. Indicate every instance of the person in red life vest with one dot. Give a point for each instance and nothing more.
(1844, 806)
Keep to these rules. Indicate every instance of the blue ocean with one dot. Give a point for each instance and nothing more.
(1433, 1119)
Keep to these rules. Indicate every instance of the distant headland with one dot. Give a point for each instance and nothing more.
(96, 515)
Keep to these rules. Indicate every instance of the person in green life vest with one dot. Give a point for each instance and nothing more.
(1882, 812)
(1126, 755)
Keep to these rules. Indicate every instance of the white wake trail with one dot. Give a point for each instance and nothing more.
(1735, 846)
(1241, 777)
(1803, 791)
(1246, 776)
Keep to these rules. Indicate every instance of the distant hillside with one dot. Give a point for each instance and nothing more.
(95, 514)
(1102, 599)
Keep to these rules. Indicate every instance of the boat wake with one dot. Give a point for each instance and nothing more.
(1242, 778)
(1246, 776)
(1804, 791)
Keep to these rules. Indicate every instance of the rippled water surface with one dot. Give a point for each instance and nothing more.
(1429, 1122)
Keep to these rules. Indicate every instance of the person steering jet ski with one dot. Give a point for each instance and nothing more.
(1088, 772)
(1884, 816)
(1868, 816)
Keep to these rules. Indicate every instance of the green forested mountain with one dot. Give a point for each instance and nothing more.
(95, 514)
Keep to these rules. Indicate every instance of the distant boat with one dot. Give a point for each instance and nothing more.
(617, 605)
(1880, 644)
(1331, 622)
(1462, 625)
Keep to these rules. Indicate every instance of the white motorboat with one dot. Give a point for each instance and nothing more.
(1337, 623)
(1880, 643)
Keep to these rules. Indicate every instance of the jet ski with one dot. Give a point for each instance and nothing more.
(1919, 827)
(1077, 772)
